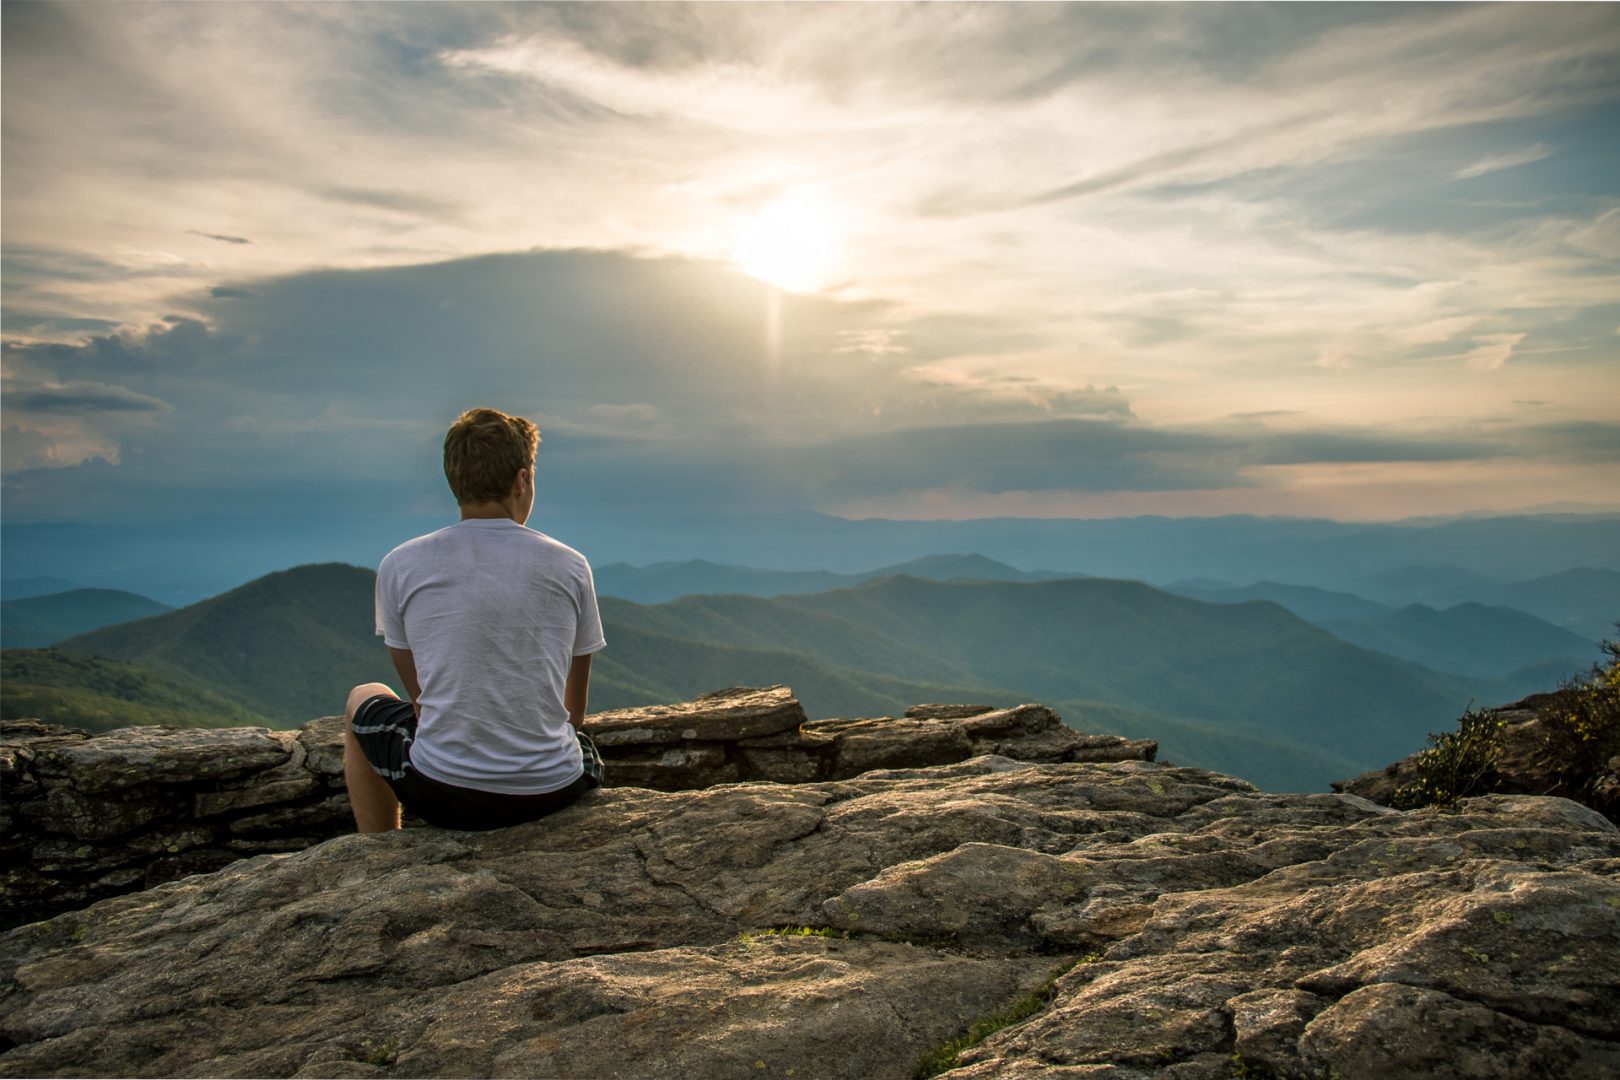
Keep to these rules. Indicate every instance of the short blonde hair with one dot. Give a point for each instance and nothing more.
(483, 451)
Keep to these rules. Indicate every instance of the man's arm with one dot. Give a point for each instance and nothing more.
(405, 664)
(576, 689)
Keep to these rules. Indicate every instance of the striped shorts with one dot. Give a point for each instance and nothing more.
(385, 727)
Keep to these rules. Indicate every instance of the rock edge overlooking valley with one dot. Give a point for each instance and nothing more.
(84, 817)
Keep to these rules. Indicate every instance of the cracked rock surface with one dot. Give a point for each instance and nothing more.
(1204, 928)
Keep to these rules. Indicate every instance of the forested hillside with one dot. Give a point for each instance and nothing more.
(1247, 688)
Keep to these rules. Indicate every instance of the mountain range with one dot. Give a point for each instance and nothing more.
(45, 619)
(1518, 652)
(1245, 687)
(661, 582)
(1471, 639)
(1511, 646)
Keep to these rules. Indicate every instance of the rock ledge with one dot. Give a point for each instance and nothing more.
(83, 817)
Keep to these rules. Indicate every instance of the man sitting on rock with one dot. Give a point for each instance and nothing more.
(491, 627)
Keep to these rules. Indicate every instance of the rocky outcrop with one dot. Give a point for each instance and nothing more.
(746, 734)
(88, 816)
(1203, 929)
(84, 817)
(1527, 764)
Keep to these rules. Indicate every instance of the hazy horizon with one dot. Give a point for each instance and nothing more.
(182, 561)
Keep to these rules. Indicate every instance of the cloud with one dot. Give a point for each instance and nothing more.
(1152, 167)
(400, 202)
(651, 382)
(81, 397)
(1498, 162)
(871, 343)
(220, 237)
(1492, 351)
(1586, 441)
(735, 95)
(226, 292)
(1366, 447)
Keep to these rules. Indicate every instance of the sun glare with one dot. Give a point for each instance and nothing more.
(789, 243)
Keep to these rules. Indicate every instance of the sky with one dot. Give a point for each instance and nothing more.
(874, 260)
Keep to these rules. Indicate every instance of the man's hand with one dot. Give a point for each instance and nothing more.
(405, 664)
(576, 689)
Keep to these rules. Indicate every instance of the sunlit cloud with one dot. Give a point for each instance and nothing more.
(1498, 162)
(739, 96)
(1491, 351)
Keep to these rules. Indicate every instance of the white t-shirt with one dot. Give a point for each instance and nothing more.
(493, 614)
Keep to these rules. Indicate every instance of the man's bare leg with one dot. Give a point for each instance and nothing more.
(375, 807)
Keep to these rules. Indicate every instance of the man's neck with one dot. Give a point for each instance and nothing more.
(486, 511)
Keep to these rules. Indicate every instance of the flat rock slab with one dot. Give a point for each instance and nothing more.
(1202, 925)
(130, 757)
(741, 713)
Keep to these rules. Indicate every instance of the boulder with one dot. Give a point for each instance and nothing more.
(1127, 919)
(723, 715)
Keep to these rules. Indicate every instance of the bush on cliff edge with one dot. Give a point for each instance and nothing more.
(1583, 736)
(1579, 758)
(1457, 764)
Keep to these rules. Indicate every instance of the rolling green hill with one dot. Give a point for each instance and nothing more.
(662, 582)
(1309, 603)
(98, 694)
(44, 620)
(1509, 648)
(287, 646)
(1470, 639)
(1251, 670)
(1245, 688)
(640, 667)
(1584, 600)
(13, 588)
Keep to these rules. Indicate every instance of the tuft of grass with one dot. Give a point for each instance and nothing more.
(747, 937)
(945, 942)
(944, 1058)
(379, 1054)
(1242, 1069)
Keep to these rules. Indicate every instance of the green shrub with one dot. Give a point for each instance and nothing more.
(1581, 722)
(1456, 765)
(1583, 735)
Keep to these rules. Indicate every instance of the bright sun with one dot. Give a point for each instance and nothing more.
(789, 243)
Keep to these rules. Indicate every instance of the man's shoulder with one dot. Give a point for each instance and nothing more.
(412, 547)
(559, 550)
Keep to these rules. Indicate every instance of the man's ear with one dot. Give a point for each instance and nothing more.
(517, 481)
